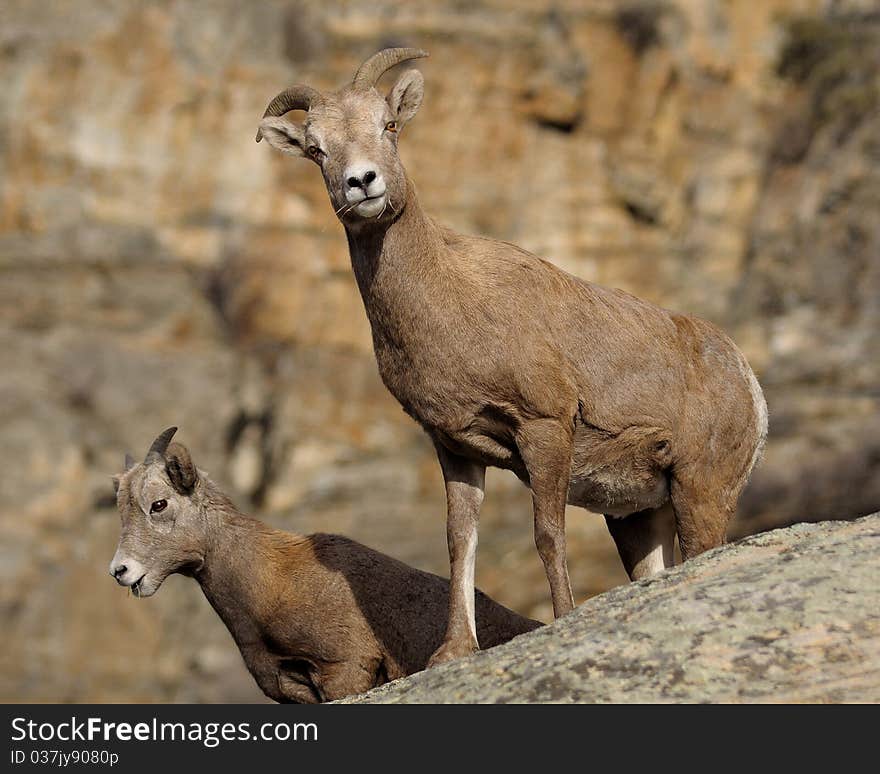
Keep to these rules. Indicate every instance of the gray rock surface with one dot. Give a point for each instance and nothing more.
(786, 616)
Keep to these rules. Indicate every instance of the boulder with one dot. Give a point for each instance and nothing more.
(785, 616)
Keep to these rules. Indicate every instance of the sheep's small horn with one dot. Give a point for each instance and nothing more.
(371, 70)
(129, 462)
(157, 450)
(298, 97)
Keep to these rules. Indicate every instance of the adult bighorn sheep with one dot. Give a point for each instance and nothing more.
(316, 617)
(590, 395)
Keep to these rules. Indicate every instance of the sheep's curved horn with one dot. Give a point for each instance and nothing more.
(371, 70)
(298, 97)
(157, 450)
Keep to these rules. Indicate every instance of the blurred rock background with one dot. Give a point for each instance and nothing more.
(158, 267)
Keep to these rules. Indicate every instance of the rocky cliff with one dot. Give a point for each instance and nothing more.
(158, 267)
(786, 616)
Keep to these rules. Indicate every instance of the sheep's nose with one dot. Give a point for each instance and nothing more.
(361, 180)
(118, 571)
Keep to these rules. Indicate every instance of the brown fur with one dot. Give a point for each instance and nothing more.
(590, 395)
(316, 617)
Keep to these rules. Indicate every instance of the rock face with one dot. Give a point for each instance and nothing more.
(786, 616)
(158, 267)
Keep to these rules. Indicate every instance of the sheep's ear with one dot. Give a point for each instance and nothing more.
(284, 136)
(180, 468)
(406, 96)
(129, 463)
(115, 480)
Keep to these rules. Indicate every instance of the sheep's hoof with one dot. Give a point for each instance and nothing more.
(450, 650)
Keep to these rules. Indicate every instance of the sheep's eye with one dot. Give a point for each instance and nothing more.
(158, 506)
(314, 151)
(391, 126)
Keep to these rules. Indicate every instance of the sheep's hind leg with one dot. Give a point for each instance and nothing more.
(645, 540)
(702, 513)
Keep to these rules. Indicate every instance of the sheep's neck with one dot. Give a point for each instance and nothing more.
(392, 259)
(232, 577)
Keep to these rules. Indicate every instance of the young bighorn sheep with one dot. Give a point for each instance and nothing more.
(590, 395)
(316, 617)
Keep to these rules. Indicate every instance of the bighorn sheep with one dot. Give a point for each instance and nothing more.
(316, 617)
(590, 395)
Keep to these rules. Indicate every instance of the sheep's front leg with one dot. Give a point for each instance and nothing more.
(545, 446)
(465, 482)
(286, 683)
(348, 678)
(294, 691)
